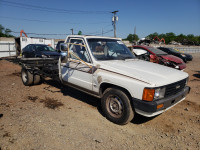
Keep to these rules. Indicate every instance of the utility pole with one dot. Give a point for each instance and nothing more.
(114, 19)
(135, 34)
(72, 31)
(102, 32)
(135, 30)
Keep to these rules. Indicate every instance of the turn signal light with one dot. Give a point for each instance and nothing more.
(160, 106)
(148, 94)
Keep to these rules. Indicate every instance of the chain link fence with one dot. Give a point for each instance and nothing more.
(188, 49)
(184, 49)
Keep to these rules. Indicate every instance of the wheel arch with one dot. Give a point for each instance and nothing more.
(104, 86)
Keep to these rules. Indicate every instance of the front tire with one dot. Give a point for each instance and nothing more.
(116, 106)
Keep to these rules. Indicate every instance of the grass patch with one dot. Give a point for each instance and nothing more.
(51, 103)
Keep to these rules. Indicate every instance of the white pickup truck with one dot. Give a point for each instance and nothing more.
(104, 67)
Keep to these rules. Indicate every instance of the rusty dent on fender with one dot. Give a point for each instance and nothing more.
(99, 79)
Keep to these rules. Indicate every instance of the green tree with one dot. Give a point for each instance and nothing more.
(1, 30)
(5, 32)
(160, 36)
(151, 36)
(132, 38)
(189, 39)
(79, 33)
(190, 36)
(169, 37)
(135, 37)
(180, 38)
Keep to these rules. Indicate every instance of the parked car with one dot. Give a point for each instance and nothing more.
(185, 57)
(39, 50)
(21, 42)
(157, 56)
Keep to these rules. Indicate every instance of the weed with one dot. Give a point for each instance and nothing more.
(51, 103)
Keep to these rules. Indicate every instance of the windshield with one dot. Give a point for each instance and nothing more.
(173, 50)
(157, 51)
(44, 48)
(109, 49)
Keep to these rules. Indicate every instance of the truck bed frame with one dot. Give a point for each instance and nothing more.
(45, 67)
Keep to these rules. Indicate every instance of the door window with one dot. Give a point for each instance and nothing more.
(77, 50)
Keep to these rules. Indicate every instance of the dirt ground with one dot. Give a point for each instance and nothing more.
(52, 117)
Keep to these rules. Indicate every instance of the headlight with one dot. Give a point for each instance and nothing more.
(159, 93)
(44, 56)
(177, 67)
(183, 55)
(187, 79)
(151, 94)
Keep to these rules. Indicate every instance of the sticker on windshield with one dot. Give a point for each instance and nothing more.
(120, 42)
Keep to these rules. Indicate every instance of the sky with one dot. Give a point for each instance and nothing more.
(94, 17)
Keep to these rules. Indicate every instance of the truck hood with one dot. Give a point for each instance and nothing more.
(150, 73)
(172, 58)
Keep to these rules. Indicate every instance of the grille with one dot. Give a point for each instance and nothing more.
(174, 88)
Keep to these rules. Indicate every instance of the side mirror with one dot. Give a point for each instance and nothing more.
(152, 56)
(63, 47)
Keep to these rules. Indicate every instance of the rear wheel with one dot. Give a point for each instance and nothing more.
(116, 106)
(27, 77)
(37, 79)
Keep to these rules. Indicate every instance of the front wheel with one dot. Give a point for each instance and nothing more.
(116, 106)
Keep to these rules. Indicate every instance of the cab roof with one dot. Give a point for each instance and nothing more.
(92, 36)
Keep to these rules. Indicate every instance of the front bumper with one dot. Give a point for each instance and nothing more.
(181, 66)
(189, 58)
(149, 109)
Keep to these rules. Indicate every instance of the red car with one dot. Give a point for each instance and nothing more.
(157, 56)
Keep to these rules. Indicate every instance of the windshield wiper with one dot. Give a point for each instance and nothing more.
(128, 57)
(124, 57)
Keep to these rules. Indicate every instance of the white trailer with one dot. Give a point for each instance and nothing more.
(7, 48)
(21, 42)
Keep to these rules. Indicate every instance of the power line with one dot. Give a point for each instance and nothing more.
(42, 33)
(36, 20)
(108, 31)
(49, 9)
(29, 33)
(104, 32)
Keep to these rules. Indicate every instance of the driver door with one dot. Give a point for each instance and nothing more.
(77, 70)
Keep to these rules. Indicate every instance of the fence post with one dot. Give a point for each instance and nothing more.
(9, 48)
